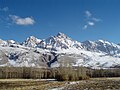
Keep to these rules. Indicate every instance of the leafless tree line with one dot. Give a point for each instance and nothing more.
(61, 73)
(111, 72)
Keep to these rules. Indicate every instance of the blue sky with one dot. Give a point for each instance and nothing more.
(80, 19)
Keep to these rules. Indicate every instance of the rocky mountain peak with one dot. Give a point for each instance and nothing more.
(11, 41)
(31, 41)
(61, 35)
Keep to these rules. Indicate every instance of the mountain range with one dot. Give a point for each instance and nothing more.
(58, 50)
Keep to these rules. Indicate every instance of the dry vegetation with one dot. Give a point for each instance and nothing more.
(36, 84)
(96, 84)
(27, 84)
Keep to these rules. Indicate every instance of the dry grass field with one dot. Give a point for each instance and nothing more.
(36, 84)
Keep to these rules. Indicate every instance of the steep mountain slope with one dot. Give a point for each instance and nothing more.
(58, 42)
(59, 50)
(31, 42)
(102, 46)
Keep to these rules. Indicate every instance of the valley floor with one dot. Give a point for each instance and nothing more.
(37, 84)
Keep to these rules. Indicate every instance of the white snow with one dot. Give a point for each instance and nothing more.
(94, 54)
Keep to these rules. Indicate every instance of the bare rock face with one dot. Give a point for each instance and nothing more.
(3, 58)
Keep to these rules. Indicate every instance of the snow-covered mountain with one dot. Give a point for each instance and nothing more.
(58, 50)
(58, 42)
(31, 42)
(101, 46)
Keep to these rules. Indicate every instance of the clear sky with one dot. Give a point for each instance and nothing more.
(80, 19)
